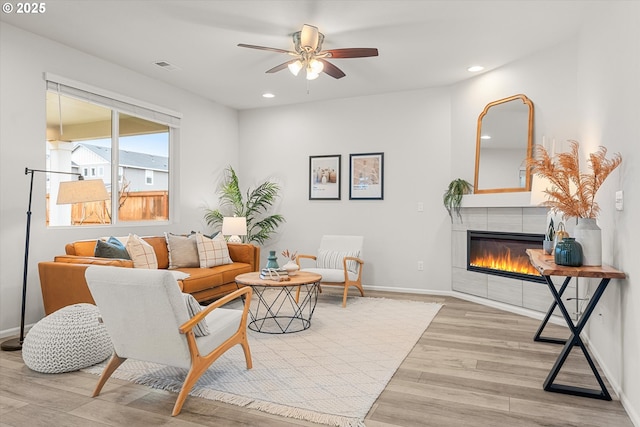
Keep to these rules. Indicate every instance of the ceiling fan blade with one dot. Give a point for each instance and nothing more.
(271, 49)
(331, 69)
(281, 66)
(355, 52)
(309, 37)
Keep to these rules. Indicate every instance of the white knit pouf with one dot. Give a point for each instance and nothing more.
(67, 340)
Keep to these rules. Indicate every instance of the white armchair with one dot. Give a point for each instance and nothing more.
(147, 318)
(338, 261)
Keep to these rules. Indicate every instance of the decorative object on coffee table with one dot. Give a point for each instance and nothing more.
(572, 193)
(272, 261)
(291, 266)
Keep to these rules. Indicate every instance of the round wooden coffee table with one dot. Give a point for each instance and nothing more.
(277, 309)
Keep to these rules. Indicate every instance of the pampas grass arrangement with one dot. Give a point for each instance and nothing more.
(573, 193)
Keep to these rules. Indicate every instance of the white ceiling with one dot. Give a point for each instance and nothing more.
(422, 43)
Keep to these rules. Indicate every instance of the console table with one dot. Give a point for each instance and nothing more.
(547, 267)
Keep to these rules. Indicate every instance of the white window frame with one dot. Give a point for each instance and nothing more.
(123, 104)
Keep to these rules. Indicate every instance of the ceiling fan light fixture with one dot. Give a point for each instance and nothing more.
(316, 66)
(295, 67)
(311, 75)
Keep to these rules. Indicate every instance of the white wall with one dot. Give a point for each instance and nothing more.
(608, 94)
(208, 142)
(412, 129)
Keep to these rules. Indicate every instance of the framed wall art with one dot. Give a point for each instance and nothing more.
(366, 176)
(324, 177)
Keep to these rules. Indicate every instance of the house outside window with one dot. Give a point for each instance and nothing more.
(90, 139)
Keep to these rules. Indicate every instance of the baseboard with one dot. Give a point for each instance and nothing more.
(615, 385)
(14, 332)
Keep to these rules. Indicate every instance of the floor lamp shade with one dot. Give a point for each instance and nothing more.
(81, 191)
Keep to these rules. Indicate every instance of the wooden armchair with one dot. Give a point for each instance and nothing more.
(338, 261)
(147, 318)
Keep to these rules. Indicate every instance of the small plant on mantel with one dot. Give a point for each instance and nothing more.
(452, 198)
(572, 193)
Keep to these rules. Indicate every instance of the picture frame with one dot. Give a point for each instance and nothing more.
(366, 176)
(325, 174)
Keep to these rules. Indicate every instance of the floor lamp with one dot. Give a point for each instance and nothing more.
(69, 192)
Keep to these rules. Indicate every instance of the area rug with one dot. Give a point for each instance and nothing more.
(331, 373)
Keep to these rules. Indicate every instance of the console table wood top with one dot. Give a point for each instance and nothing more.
(547, 267)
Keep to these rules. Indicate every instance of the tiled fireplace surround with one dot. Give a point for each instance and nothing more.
(514, 292)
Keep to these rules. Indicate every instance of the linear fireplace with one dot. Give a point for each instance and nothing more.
(503, 254)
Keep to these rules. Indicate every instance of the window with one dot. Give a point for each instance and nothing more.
(87, 133)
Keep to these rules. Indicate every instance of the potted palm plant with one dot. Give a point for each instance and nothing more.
(452, 197)
(255, 207)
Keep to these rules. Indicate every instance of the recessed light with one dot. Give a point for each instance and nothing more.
(268, 95)
(475, 68)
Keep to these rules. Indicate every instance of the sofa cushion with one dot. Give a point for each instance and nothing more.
(112, 248)
(204, 278)
(212, 252)
(183, 250)
(141, 253)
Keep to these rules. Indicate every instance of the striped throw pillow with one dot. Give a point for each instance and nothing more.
(193, 307)
(333, 260)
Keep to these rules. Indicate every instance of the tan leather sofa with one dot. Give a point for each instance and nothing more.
(62, 280)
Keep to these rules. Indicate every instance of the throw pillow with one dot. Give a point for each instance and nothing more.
(212, 252)
(333, 260)
(183, 250)
(112, 248)
(193, 307)
(141, 253)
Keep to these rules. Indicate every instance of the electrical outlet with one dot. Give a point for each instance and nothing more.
(420, 207)
(420, 265)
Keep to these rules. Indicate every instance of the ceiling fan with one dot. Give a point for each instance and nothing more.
(308, 54)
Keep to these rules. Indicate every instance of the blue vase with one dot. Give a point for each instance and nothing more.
(272, 260)
(568, 252)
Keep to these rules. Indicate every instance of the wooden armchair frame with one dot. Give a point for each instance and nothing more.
(199, 363)
(347, 281)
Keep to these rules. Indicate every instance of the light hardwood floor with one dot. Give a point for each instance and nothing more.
(474, 366)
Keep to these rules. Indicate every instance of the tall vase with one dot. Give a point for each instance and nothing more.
(272, 260)
(589, 235)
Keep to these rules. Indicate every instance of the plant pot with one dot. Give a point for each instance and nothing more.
(589, 235)
(548, 245)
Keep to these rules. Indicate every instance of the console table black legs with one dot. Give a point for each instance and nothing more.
(573, 340)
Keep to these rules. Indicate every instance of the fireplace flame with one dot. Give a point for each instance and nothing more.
(505, 262)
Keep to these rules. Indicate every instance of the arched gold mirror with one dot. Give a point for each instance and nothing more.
(503, 144)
